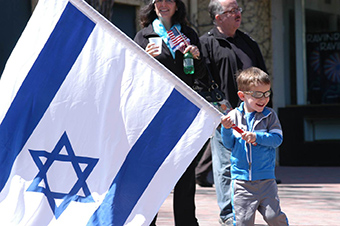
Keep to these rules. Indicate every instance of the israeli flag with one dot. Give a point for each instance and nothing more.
(93, 130)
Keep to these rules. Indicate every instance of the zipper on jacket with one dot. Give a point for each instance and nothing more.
(250, 162)
(249, 159)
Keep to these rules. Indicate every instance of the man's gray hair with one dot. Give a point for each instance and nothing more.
(215, 8)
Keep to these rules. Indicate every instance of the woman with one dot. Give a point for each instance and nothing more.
(157, 18)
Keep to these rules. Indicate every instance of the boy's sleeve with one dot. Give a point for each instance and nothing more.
(269, 139)
(274, 136)
(228, 138)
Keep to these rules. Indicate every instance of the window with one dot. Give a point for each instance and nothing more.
(124, 17)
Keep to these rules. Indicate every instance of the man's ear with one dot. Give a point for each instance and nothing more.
(217, 17)
(240, 95)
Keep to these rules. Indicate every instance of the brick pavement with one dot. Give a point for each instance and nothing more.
(310, 196)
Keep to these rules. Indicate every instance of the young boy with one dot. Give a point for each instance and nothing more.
(253, 151)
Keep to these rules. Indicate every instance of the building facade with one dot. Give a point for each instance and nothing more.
(300, 41)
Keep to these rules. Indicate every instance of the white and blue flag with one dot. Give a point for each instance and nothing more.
(93, 130)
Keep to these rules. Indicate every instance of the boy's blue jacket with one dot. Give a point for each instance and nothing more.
(249, 162)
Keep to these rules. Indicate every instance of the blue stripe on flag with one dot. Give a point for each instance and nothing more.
(41, 85)
(144, 159)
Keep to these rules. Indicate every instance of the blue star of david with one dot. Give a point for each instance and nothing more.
(79, 184)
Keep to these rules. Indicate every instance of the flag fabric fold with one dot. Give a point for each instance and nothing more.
(93, 130)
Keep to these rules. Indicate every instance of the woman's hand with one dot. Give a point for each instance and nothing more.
(194, 51)
(152, 49)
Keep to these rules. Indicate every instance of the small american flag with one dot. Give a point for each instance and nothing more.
(177, 40)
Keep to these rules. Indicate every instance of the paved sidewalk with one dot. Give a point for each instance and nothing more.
(310, 196)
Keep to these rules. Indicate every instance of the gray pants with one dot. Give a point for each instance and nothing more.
(261, 195)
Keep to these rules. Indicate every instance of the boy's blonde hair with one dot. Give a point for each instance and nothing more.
(252, 76)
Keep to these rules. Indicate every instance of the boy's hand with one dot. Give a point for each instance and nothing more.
(226, 121)
(249, 137)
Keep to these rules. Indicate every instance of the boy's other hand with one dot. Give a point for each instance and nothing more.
(249, 137)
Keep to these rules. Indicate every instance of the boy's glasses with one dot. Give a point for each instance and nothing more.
(258, 94)
(233, 11)
(166, 1)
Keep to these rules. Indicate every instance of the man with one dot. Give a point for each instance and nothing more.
(227, 50)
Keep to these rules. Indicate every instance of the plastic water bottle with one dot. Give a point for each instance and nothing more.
(188, 63)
